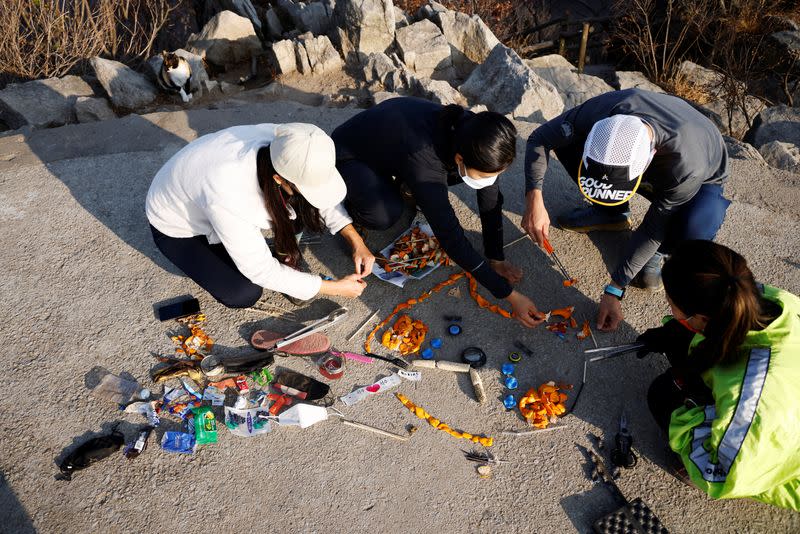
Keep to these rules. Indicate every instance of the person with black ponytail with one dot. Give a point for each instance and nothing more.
(209, 203)
(730, 403)
(423, 148)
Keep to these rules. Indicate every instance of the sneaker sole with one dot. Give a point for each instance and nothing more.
(607, 227)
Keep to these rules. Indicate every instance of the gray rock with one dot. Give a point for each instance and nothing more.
(776, 123)
(301, 54)
(781, 155)
(377, 67)
(788, 42)
(635, 79)
(230, 88)
(367, 25)
(507, 85)
(314, 17)
(471, 41)
(574, 88)
(90, 109)
(281, 56)
(245, 8)
(383, 96)
(124, 86)
(708, 80)
(480, 108)
(322, 56)
(424, 50)
(401, 19)
(42, 103)
(429, 10)
(438, 91)
(735, 118)
(274, 26)
(225, 40)
(741, 150)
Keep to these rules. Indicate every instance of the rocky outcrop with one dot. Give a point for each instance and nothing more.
(505, 84)
(306, 54)
(274, 26)
(782, 155)
(364, 26)
(776, 135)
(574, 88)
(438, 91)
(225, 40)
(471, 41)
(741, 150)
(425, 51)
(89, 109)
(125, 87)
(634, 80)
(314, 17)
(42, 103)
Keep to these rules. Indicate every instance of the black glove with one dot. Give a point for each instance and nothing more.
(672, 340)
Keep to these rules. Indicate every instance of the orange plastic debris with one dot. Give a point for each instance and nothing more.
(571, 282)
(566, 313)
(195, 344)
(585, 331)
(541, 406)
(438, 425)
(405, 336)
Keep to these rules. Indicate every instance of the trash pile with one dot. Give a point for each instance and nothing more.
(205, 393)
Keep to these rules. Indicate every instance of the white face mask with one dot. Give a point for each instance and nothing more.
(476, 184)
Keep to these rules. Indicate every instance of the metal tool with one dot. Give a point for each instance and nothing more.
(399, 362)
(623, 455)
(523, 347)
(549, 249)
(591, 333)
(316, 326)
(612, 352)
(362, 325)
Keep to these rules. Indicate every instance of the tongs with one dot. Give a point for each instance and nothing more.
(611, 352)
(316, 326)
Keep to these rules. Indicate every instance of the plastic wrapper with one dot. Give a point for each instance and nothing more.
(247, 423)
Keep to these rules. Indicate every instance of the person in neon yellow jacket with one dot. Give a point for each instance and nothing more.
(730, 403)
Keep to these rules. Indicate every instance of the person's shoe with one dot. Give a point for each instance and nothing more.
(649, 278)
(296, 301)
(590, 219)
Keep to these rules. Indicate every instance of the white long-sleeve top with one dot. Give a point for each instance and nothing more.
(210, 187)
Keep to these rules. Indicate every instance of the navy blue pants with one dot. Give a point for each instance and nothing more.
(211, 267)
(373, 201)
(700, 218)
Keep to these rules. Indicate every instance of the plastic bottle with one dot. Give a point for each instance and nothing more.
(118, 389)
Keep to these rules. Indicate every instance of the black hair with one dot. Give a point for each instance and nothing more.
(706, 278)
(487, 140)
(284, 228)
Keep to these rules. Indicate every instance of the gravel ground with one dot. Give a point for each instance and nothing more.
(80, 278)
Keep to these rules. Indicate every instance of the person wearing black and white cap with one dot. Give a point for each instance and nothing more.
(209, 203)
(626, 142)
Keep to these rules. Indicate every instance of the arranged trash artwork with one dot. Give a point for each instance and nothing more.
(413, 255)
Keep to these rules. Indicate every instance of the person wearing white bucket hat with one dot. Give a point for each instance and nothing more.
(209, 203)
(615, 145)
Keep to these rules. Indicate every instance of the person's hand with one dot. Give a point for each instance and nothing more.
(525, 310)
(672, 339)
(507, 270)
(350, 286)
(363, 260)
(610, 314)
(536, 220)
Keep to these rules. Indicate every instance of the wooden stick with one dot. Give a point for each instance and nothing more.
(365, 323)
(517, 240)
(368, 428)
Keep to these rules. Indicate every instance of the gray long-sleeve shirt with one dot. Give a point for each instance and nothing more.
(690, 152)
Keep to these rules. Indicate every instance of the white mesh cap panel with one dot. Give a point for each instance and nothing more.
(621, 141)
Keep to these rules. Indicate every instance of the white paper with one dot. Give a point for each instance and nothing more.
(413, 376)
(387, 382)
(396, 277)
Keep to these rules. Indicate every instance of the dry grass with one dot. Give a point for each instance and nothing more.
(682, 87)
(42, 39)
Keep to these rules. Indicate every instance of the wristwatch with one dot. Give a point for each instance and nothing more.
(614, 291)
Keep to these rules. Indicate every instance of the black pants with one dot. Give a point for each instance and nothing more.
(669, 391)
(211, 267)
(373, 201)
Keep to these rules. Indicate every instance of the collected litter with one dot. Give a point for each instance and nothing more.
(373, 429)
(90, 452)
(178, 442)
(385, 383)
(368, 320)
(622, 455)
(406, 336)
(413, 255)
(137, 447)
(438, 425)
(543, 405)
(568, 280)
(119, 390)
(205, 425)
(248, 422)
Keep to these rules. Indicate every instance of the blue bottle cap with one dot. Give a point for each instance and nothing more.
(509, 402)
(436, 343)
(511, 382)
(427, 354)
(508, 368)
(454, 329)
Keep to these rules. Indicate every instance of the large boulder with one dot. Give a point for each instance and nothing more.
(225, 40)
(321, 55)
(741, 150)
(274, 26)
(574, 88)
(124, 86)
(424, 50)
(776, 123)
(89, 109)
(42, 103)
(438, 91)
(471, 41)
(781, 155)
(314, 17)
(725, 103)
(507, 85)
(281, 56)
(635, 80)
(377, 67)
(366, 26)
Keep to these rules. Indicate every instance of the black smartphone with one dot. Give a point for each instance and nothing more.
(176, 310)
